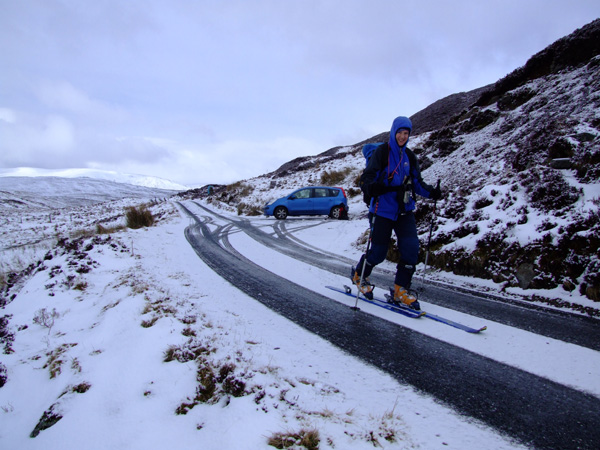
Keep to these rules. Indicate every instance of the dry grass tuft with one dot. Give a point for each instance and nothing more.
(308, 439)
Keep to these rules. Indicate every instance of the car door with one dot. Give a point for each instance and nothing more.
(301, 202)
(322, 201)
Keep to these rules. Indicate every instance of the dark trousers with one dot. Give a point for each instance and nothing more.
(407, 239)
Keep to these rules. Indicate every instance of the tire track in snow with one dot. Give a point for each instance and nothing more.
(567, 327)
(537, 412)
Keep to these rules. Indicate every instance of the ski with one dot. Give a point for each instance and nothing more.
(406, 311)
(460, 326)
(452, 323)
(379, 302)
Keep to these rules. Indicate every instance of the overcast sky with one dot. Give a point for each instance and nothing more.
(218, 91)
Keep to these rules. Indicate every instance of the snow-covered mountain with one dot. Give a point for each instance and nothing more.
(52, 192)
(108, 175)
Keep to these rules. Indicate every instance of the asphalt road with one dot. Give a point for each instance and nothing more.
(564, 326)
(533, 410)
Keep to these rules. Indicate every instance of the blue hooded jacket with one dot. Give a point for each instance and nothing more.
(394, 169)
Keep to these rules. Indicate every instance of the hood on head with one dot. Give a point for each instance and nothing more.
(399, 122)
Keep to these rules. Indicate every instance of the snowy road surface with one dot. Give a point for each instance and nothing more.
(561, 412)
(580, 330)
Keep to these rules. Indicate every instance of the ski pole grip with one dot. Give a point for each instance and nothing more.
(435, 201)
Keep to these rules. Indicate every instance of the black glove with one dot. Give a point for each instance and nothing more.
(376, 189)
(435, 193)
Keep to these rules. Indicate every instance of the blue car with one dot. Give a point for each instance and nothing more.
(311, 201)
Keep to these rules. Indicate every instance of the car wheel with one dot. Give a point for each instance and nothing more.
(336, 212)
(280, 213)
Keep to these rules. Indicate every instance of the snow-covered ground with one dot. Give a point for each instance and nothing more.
(140, 321)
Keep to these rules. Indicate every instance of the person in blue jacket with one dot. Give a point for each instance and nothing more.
(391, 181)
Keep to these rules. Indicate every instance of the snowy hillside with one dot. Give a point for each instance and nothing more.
(39, 211)
(520, 170)
(106, 340)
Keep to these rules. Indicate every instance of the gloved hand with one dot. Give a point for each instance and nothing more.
(435, 193)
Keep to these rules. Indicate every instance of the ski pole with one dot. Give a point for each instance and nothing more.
(430, 233)
(362, 272)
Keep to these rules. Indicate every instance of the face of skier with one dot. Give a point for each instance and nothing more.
(402, 137)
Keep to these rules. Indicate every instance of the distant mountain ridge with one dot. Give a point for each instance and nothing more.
(117, 177)
(48, 192)
(571, 51)
(438, 114)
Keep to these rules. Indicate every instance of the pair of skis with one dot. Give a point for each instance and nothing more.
(406, 311)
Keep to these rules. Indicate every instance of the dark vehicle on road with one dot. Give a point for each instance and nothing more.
(310, 201)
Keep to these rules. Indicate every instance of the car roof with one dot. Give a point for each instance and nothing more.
(318, 187)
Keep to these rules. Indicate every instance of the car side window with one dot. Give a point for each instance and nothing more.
(333, 192)
(304, 193)
(322, 192)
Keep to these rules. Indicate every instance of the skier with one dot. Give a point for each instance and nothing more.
(391, 180)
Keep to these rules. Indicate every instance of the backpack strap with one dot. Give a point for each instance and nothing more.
(378, 160)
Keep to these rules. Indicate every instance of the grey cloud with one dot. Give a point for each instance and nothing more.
(191, 76)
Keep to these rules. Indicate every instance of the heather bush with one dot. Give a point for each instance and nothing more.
(479, 120)
(335, 177)
(482, 202)
(45, 318)
(240, 189)
(516, 98)
(548, 191)
(248, 209)
(139, 217)
(308, 439)
(7, 337)
(587, 166)
(3, 376)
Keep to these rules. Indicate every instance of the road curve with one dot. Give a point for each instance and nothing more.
(564, 326)
(535, 411)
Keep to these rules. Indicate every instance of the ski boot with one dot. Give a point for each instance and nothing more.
(400, 296)
(365, 288)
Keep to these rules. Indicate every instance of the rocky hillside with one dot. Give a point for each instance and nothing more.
(436, 115)
(519, 163)
(527, 153)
